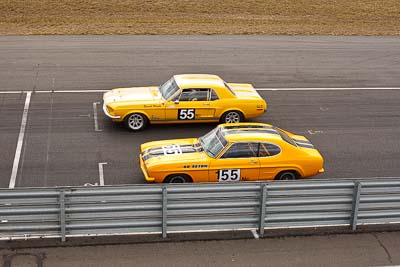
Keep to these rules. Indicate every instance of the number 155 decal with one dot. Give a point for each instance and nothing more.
(229, 175)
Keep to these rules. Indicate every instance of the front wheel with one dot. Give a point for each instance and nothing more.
(232, 117)
(286, 176)
(177, 179)
(136, 122)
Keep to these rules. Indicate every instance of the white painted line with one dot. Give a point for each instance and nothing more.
(255, 234)
(20, 140)
(315, 132)
(101, 172)
(327, 88)
(362, 178)
(96, 124)
(258, 89)
(12, 92)
(89, 184)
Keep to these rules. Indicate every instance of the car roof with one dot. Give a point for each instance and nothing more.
(198, 80)
(260, 132)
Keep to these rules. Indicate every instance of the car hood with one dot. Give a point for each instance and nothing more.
(177, 150)
(132, 94)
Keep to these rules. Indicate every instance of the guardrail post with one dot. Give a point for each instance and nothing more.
(164, 211)
(263, 198)
(62, 214)
(355, 206)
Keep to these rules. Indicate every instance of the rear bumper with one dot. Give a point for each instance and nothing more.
(108, 114)
(144, 171)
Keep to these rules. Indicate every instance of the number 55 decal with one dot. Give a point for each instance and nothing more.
(186, 114)
(229, 175)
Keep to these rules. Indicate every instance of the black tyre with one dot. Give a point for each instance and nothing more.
(232, 116)
(178, 179)
(286, 176)
(136, 122)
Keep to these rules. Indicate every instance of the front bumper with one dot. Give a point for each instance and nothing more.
(108, 114)
(146, 175)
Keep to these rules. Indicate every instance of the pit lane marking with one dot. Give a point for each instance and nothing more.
(96, 124)
(101, 173)
(255, 234)
(20, 141)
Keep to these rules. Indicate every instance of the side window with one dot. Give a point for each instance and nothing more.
(241, 150)
(213, 95)
(194, 94)
(267, 150)
(176, 97)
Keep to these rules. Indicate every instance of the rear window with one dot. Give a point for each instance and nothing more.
(230, 89)
(285, 137)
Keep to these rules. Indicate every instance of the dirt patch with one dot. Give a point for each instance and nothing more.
(306, 17)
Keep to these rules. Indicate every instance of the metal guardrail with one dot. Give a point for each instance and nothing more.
(162, 209)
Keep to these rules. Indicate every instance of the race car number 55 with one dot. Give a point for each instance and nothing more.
(229, 175)
(186, 114)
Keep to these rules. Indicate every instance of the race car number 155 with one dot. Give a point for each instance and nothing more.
(229, 175)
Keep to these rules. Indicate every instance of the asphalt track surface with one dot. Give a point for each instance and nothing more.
(355, 124)
(375, 249)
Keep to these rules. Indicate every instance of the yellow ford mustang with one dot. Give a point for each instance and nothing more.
(184, 98)
(231, 153)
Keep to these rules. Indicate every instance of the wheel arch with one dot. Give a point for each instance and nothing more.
(232, 109)
(297, 172)
(130, 112)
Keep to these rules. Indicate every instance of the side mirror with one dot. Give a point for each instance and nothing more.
(176, 101)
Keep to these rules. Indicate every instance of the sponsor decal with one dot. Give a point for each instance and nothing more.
(195, 166)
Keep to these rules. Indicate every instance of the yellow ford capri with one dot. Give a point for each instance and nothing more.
(184, 98)
(231, 153)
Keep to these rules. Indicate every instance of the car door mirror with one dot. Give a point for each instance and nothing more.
(176, 101)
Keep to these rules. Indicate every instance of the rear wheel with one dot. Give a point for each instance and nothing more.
(232, 116)
(136, 122)
(286, 176)
(178, 179)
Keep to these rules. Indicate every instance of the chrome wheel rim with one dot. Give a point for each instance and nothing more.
(136, 121)
(232, 117)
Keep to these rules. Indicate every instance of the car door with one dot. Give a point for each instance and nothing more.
(239, 162)
(270, 160)
(189, 104)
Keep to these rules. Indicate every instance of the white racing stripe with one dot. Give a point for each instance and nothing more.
(20, 140)
(258, 89)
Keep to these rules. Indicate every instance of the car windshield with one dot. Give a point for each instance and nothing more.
(213, 142)
(169, 88)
